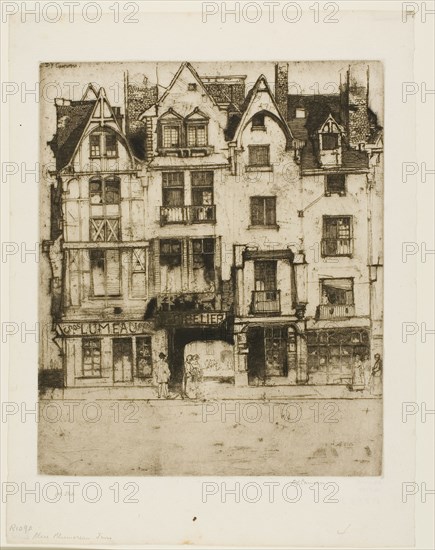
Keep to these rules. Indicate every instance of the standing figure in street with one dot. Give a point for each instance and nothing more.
(358, 374)
(196, 376)
(162, 376)
(187, 377)
(376, 376)
(367, 369)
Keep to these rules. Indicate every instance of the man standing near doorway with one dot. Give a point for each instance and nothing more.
(162, 376)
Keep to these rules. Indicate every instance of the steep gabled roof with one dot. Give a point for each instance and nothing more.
(72, 120)
(184, 65)
(238, 121)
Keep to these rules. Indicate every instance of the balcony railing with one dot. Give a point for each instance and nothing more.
(187, 214)
(336, 311)
(266, 302)
(337, 247)
(173, 214)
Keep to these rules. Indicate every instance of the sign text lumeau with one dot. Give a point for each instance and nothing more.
(103, 328)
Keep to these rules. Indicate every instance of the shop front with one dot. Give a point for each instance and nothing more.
(333, 353)
(110, 353)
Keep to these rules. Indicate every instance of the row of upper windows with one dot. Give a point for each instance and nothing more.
(107, 191)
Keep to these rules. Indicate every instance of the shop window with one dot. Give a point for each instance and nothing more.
(259, 155)
(91, 357)
(105, 272)
(138, 273)
(332, 353)
(144, 360)
(335, 183)
(170, 253)
(263, 211)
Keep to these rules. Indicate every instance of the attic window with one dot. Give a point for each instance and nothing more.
(103, 143)
(258, 121)
(192, 87)
(300, 112)
(329, 142)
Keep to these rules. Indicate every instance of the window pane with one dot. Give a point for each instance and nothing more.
(329, 141)
(201, 179)
(271, 211)
(337, 291)
(111, 148)
(96, 191)
(173, 179)
(94, 144)
(259, 155)
(91, 357)
(112, 186)
(170, 253)
(173, 197)
(257, 211)
(258, 120)
(265, 275)
(144, 361)
(171, 136)
(335, 183)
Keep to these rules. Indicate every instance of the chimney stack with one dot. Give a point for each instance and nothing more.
(358, 125)
(281, 87)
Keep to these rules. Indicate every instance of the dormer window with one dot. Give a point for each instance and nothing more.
(300, 112)
(196, 135)
(171, 136)
(170, 130)
(196, 129)
(329, 142)
(103, 143)
(258, 122)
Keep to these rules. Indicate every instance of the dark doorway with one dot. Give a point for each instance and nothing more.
(177, 340)
(267, 355)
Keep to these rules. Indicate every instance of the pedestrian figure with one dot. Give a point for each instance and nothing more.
(367, 371)
(196, 376)
(187, 376)
(358, 374)
(376, 376)
(162, 375)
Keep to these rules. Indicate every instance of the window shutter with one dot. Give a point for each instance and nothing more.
(156, 263)
(112, 272)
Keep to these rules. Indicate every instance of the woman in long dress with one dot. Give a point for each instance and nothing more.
(376, 376)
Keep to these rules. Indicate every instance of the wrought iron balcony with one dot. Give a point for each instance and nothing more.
(187, 214)
(337, 247)
(266, 302)
(333, 311)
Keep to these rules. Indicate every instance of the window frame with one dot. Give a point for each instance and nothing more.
(264, 199)
(106, 295)
(325, 221)
(102, 132)
(85, 342)
(321, 289)
(257, 147)
(329, 135)
(167, 186)
(331, 191)
(171, 254)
